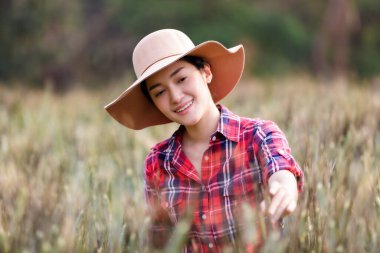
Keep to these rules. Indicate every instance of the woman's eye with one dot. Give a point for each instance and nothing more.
(159, 93)
(181, 79)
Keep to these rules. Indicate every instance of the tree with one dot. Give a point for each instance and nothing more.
(332, 43)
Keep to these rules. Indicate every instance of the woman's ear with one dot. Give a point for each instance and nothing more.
(207, 73)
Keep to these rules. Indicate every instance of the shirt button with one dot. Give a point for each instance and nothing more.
(213, 138)
(203, 188)
(281, 151)
(210, 245)
(204, 216)
(206, 157)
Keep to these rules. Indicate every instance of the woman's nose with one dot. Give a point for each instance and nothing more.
(175, 95)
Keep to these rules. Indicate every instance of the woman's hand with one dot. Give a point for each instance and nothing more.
(282, 187)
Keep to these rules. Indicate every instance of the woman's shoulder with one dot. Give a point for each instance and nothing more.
(160, 147)
(157, 155)
(257, 123)
(243, 122)
(152, 160)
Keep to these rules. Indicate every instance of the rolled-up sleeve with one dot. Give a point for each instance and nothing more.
(274, 153)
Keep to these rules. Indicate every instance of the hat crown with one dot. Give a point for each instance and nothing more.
(158, 46)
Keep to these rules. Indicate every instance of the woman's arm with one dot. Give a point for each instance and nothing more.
(281, 173)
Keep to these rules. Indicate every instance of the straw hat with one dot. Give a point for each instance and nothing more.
(158, 50)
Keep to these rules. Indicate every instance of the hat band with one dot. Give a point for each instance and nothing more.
(156, 62)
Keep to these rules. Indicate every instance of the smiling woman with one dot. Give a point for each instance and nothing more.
(216, 160)
(180, 92)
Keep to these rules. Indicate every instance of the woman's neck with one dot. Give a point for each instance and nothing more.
(202, 131)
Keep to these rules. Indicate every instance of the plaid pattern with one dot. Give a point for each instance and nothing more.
(243, 153)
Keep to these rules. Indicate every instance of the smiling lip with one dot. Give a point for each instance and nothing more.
(184, 107)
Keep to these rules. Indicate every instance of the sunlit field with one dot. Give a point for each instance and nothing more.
(71, 178)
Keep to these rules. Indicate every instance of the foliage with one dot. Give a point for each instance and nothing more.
(71, 177)
(64, 42)
(366, 49)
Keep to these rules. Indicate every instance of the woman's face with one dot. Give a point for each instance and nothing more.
(181, 93)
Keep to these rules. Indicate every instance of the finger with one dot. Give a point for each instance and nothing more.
(263, 207)
(291, 207)
(273, 188)
(276, 200)
(281, 208)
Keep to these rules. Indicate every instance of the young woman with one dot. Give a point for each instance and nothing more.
(216, 160)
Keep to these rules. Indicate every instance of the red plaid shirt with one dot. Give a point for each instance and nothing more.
(242, 154)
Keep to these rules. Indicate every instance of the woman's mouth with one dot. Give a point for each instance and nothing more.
(184, 107)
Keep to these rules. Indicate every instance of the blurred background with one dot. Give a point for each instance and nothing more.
(90, 42)
(71, 178)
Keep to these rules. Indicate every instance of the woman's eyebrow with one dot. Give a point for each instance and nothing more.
(176, 71)
(171, 75)
(154, 86)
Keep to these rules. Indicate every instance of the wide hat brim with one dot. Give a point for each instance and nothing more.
(133, 110)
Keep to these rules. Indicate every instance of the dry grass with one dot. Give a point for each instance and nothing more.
(71, 177)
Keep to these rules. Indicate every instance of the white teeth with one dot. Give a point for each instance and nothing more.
(185, 107)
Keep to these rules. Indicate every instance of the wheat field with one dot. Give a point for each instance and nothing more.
(71, 178)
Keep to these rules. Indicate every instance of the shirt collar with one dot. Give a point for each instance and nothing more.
(228, 126)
